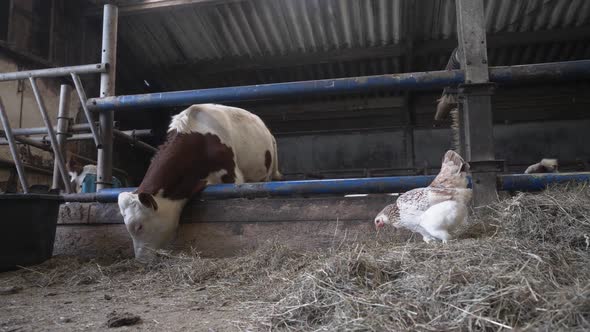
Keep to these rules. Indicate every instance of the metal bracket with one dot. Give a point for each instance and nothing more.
(67, 133)
(487, 166)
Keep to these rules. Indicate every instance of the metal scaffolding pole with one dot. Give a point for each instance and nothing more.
(83, 100)
(41, 141)
(63, 121)
(32, 142)
(77, 128)
(476, 104)
(107, 88)
(57, 156)
(54, 72)
(12, 143)
(131, 138)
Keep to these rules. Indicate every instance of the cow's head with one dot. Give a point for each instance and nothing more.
(150, 220)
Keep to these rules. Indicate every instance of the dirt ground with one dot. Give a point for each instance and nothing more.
(87, 305)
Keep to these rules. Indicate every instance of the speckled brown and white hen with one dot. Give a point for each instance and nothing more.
(437, 210)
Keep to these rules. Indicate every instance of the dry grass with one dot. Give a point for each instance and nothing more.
(529, 269)
(523, 263)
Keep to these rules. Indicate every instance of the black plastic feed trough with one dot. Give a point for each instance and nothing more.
(28, 228)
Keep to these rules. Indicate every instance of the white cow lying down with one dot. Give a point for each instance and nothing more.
(207, 144)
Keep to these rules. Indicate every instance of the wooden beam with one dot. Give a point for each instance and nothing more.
(410, 115)
(9, 28)
(52, 24)
(243, 210)
(151, 6)
(226, 227)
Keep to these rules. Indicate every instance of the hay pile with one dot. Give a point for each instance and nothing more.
(523, 263)
(529, 269)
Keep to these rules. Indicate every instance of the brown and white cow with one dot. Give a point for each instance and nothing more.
(207, 144)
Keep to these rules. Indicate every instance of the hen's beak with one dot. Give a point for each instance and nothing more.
(379, 223)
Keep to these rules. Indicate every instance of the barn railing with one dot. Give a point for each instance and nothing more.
(341, 187)
(557, 71)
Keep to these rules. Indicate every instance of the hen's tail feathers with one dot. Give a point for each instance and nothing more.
(453, 159)
(453, 172)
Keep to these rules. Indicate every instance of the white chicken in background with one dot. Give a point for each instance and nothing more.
(437, 210)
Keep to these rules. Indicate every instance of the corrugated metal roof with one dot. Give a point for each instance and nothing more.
(252, 29)
(258, 28)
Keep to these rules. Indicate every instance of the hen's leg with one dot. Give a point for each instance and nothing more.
(427, 238)
(441, 234)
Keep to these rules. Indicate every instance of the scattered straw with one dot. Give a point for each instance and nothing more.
(522, 263)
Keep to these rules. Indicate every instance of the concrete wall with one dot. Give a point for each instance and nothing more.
(517, 143)
(23, 112)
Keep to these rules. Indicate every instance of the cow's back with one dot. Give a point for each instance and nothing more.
(244, 132)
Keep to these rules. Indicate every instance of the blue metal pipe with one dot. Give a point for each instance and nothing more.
(534, 182)
(412, 81)
(521, 182)
(297, 188)
(570, 70)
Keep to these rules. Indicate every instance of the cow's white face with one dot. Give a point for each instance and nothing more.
(150, 220)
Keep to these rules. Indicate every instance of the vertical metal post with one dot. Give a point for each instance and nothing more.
(12, 143)
(107, 88)
(476, 100)
(63, 121)
(58, 158)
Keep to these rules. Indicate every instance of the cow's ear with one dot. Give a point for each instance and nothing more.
(148, 201)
